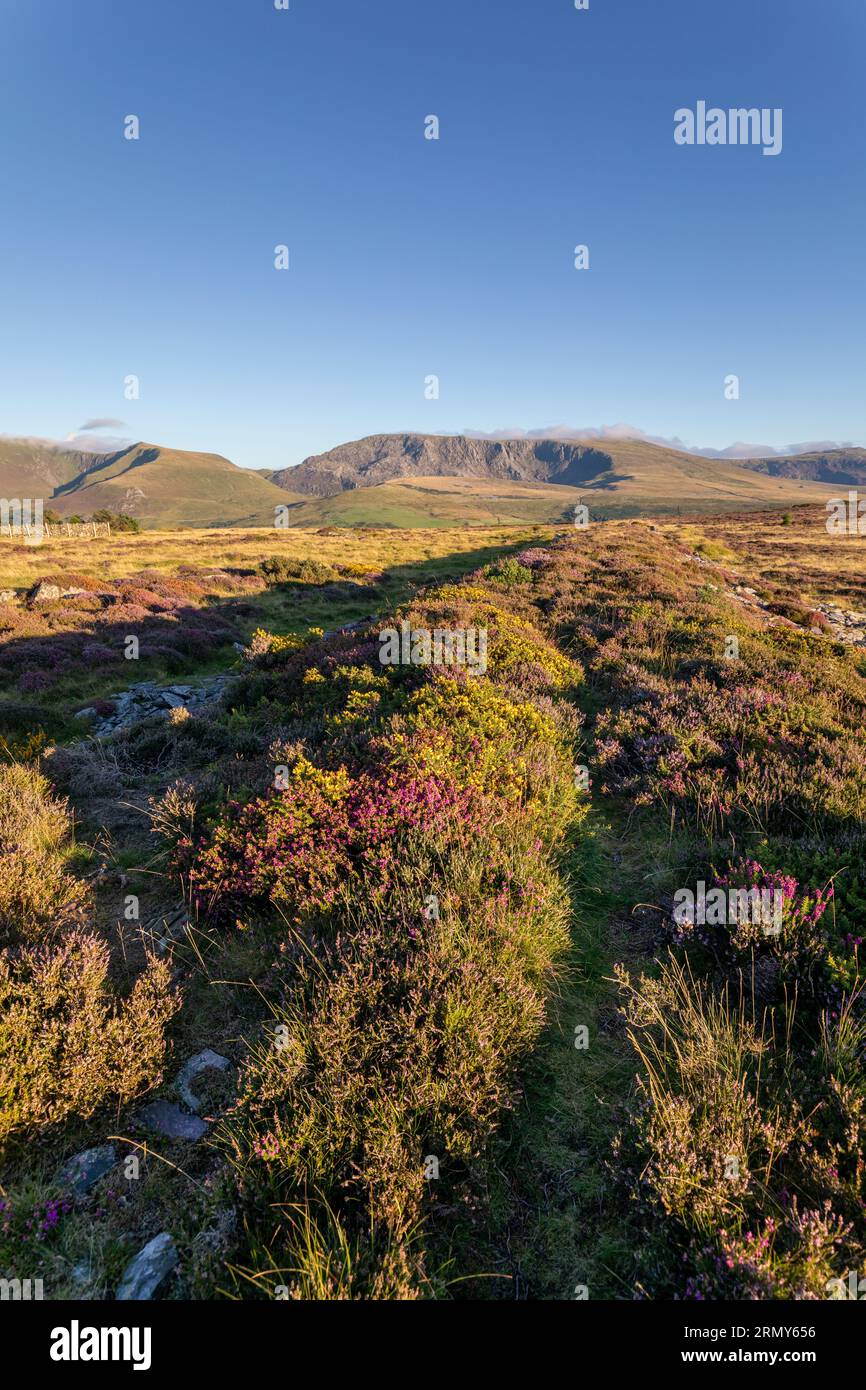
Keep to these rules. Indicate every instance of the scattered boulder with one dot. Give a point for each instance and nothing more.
(166, 1118)
(83, 1171)
(350, 627)
(147, 699)
(146, 1271)
(202, 1061)
(42, 592)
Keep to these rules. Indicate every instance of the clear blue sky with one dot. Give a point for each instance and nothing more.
(411, 257)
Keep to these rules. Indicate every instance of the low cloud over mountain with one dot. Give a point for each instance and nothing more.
(739, 450)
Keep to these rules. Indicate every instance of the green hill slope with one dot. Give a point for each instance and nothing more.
(164, 488)
(34, 467)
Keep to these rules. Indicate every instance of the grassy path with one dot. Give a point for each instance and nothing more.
(556, 1218)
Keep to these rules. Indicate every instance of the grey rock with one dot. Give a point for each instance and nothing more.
(166, 1118)
(202, 1061)
(44, 593)
(148, 700)
(146, 1270)
(83, 1170)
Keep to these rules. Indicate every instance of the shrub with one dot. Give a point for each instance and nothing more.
(38, 896)
(66, 1043)
(399, 1025)
(510, 571)
(281, 568)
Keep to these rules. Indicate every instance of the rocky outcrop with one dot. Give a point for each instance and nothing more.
(43, 592)
(381, 458)
(147, 699)
(840, 625)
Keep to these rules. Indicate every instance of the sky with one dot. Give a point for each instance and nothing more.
(412, 258)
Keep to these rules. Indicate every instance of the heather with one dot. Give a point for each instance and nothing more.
(67, 1044)
(431, 917)
(69, 1041)
(405, 871)
(39, 896)
(55, 640)
(745, 1144)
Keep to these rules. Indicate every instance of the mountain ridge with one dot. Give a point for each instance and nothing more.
(423, 478)
(590, 463)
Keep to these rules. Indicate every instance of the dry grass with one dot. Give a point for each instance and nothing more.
(167, 550)
(797, 555)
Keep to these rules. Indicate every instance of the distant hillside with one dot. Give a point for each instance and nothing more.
(382, 458)
(439, 502)
(625, 475)
(34, 467)
(413, 480)
(838, 467)
(160, 487)
(170, 487)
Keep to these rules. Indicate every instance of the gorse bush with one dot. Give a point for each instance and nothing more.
(281, 568)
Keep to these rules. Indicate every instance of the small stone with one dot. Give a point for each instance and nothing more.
(85, 1169)
(202, 1061)
(172, 700)
(146, 1271)
(168, 1119)
(81, 1274)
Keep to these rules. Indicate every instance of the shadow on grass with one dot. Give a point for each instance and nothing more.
(45, 678)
